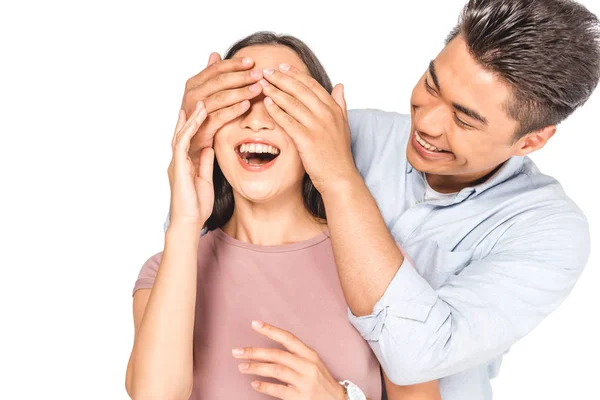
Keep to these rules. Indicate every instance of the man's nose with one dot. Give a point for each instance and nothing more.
(432, 120)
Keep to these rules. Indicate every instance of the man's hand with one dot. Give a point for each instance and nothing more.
(316, 121)
(301, 371)
(225, 87)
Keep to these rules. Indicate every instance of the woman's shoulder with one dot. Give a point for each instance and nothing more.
(150, 267)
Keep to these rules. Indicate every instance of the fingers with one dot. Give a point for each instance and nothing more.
(308, 81)
(268, 370)
(291, 105)
(220, 117)
(213, 58)
(276, 356)
(275, 390)
(217, 68)
(213, 123)
(221, 98)
(223, 90)
(206, 164)
(286, 339)
(292, 127)
(180, 123)
(297, 88)
(183, 137)
(338, 95)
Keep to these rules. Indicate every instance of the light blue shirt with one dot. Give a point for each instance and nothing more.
(484, 267)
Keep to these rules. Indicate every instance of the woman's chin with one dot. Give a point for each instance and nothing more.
(258, 192)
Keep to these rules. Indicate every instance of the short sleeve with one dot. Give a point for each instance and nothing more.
(148, 273)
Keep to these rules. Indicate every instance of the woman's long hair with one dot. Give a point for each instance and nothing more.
(224, 201)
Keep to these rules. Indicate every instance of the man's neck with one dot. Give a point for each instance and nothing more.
(284, 220)
(455, 183)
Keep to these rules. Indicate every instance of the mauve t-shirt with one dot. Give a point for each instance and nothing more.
(294, 287)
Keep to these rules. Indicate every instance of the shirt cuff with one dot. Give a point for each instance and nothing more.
(408, 296)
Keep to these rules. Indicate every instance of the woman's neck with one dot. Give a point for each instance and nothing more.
(282, 221)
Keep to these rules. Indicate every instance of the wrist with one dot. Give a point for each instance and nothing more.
(343, 186)
(180, 229)
(342, 393)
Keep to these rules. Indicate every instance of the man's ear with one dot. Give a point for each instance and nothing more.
(535, 140)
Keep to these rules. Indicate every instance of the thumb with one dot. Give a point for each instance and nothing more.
(338, 95)
(214, 57)
(205, 165)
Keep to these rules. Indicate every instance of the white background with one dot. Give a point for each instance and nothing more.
(89, 97)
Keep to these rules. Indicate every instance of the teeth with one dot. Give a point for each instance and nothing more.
(425, 144)
(258, 148)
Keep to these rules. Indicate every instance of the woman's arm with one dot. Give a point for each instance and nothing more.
(161, 361)
(422, 391)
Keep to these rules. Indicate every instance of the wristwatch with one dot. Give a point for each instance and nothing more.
(352, 391)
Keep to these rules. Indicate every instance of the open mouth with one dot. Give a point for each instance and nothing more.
(428, 146)
(257, 154)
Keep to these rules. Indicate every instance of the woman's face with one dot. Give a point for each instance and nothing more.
(257, 157)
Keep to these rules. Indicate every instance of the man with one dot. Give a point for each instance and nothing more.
(490, 246)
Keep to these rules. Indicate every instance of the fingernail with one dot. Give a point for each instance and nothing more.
(255, 88)
(245, 104)
(264, 83)
(284, 67)
(268, 102)
(243, 367)
(268, 71)
(255, 74)
(254, 384)
(259, 324)
(247, 61)
(237, 352)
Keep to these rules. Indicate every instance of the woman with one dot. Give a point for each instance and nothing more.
(267, 256)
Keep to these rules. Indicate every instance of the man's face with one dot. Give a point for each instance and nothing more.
(459, 108)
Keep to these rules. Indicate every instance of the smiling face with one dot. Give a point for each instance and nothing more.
(257, 157)
(461, 131)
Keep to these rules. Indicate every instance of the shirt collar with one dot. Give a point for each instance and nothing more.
(511, 167)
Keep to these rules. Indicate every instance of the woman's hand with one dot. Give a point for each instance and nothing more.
(192, 193)
(301, 371)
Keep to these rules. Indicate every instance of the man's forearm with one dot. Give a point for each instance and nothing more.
(366, 254)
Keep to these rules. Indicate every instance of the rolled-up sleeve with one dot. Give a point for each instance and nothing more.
(408, 296)
(420, 334)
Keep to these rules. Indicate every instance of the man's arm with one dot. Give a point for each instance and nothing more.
(365, 252)
(420, 334)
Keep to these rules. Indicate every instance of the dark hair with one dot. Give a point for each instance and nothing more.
(547, 50)
(224, 201)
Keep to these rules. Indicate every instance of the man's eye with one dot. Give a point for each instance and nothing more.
(429, 88)
(461, 123)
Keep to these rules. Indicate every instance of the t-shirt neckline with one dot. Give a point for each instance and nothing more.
(283, 248)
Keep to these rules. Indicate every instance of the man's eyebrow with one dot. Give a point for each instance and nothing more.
(465, 110)
(470, 113)
(434, 75)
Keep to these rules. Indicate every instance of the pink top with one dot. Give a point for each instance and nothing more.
(294, 287)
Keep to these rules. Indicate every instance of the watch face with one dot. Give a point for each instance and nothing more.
(354, 392)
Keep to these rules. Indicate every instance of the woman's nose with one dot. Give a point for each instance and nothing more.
(257, 118)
